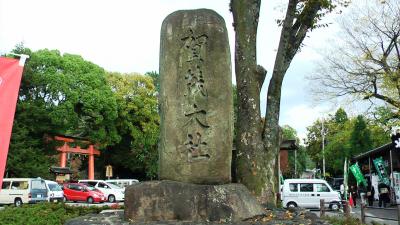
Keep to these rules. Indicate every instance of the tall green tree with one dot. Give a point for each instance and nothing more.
(289, 133)
(59, 94)
(258, 142)
(340, 116)
(298, 160)
(360, 139)
(344, 138)
(156, 79)
(137, 123)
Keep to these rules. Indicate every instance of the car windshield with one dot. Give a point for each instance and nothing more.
(91, 188)
(54, 187)
(38, 184)
(113, 186)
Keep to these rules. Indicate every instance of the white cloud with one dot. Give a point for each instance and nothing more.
(124, 36)
(301, 116)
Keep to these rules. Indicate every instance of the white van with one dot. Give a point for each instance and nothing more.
(112, 192)
(307, 193)
(54, 191)
(123, 183)
(23, 190)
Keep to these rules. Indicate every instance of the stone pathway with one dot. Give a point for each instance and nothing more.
(115, 217)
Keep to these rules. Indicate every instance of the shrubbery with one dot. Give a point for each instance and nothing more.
(336, 220)
(44, 213)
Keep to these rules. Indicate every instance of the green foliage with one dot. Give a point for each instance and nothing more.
(360, 140)
(344, 137)
(302, 159)
(44, 213)
(289, 133)
(137, 123)
(75, 92)
(341, 116)
(156, 79)
(59, 94)
(386, 116)
(337, 220)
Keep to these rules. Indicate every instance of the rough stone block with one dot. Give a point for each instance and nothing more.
(177, 201)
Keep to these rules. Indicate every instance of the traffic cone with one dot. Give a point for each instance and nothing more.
(351, 202)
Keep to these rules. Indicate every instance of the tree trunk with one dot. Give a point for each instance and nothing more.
(271, 131)
(258, 144)
(251, 167)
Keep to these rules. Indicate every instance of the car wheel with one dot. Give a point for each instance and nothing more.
(90, 200)
(111, 198)
(291, 205)
(334, 206)
(17, 202)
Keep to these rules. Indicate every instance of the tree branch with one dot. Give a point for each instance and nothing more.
(261, 73)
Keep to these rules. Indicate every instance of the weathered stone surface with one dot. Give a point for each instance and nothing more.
(116, 217)
(109, 218)
(171, 200)
(195, 98)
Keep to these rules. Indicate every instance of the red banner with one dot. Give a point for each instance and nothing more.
(10, 79)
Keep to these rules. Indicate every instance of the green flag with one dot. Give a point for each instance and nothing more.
(381, 169)
(355, 169)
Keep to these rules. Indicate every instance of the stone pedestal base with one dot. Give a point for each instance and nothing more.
(172, 201)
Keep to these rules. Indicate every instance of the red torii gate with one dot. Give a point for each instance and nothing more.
(90, 151)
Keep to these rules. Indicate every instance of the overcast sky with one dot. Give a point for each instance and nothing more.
(123, 36)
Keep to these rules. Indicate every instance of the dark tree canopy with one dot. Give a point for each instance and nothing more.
(137, 124)
(59, 94)
(344, 138)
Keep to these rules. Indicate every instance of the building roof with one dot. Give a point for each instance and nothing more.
(378, 150)
(289, 145)
(60, 170)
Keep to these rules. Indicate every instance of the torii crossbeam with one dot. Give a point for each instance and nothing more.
(90, 151)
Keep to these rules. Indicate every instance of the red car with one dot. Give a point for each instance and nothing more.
(80, 192)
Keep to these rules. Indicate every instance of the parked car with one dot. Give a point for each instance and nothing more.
(307, 193)
(335, 183)
(112, 192)
(23, 190)
(54, 191)
(123, 183)
(80, 192)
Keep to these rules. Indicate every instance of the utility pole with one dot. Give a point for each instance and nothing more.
(295, 163)
(323, 149)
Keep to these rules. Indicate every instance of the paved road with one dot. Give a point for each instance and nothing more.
(390, 213)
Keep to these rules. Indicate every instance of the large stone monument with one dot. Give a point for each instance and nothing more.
(196, 98)
(196, 128)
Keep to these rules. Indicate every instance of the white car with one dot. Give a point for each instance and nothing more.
(23, 190)
(112, 192)
(54, 191)
(307, 193)
(123, 183)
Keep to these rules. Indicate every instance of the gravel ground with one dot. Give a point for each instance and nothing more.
(115, 217)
